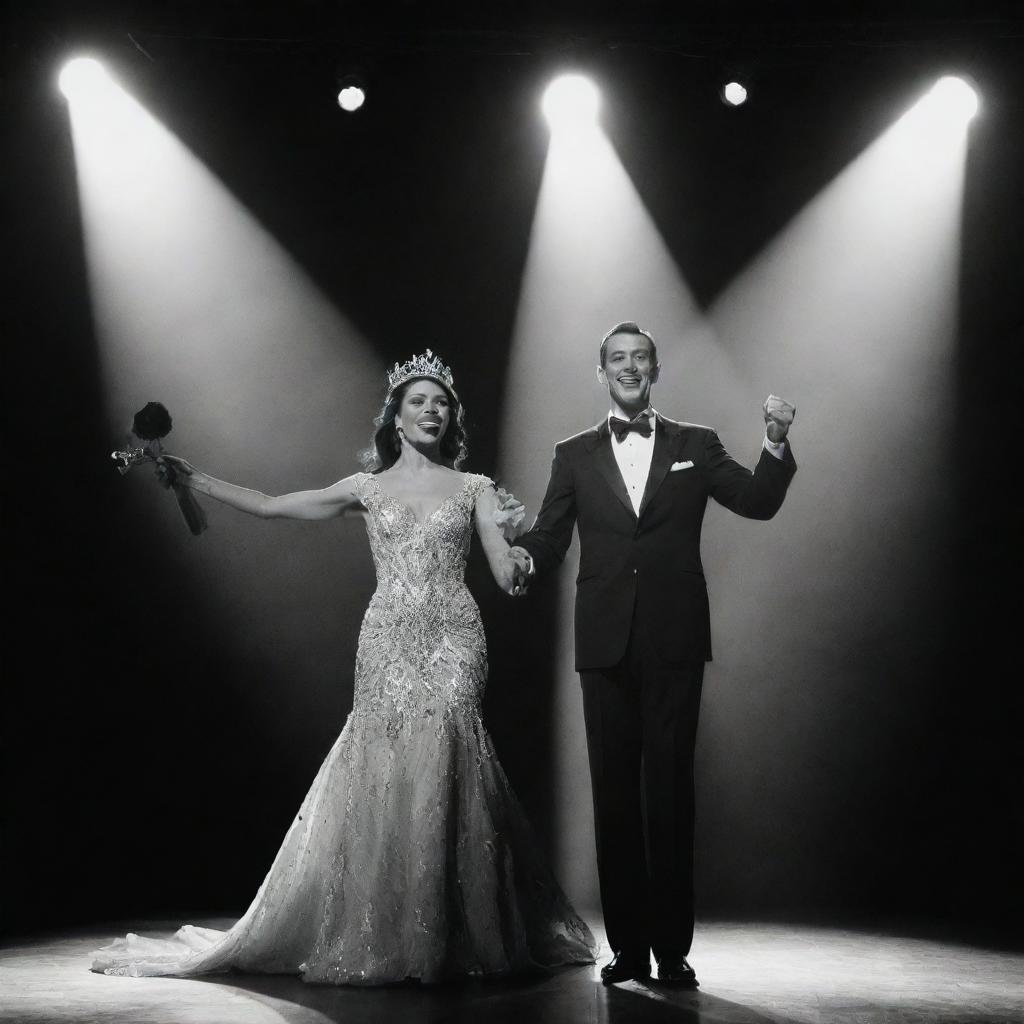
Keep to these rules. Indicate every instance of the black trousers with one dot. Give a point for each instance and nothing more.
(641, 721)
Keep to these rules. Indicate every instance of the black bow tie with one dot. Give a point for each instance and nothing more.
(620, 428)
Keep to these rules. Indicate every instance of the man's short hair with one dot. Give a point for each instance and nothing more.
(629, 327)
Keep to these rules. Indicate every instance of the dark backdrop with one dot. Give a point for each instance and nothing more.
(144, 769)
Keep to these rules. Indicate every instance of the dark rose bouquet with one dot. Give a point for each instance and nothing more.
(151, 424)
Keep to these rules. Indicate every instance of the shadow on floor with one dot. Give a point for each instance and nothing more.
(570, 995)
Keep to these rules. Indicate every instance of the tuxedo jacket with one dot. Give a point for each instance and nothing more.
(648, 563)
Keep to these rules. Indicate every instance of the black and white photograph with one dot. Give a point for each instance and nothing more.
(510, 512)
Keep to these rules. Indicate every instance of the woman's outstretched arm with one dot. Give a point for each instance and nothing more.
(323, 504)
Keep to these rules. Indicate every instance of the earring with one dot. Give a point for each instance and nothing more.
(400, 432)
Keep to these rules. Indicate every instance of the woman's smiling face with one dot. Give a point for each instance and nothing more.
(424, 413)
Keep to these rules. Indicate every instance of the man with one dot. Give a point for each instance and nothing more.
(636, 486)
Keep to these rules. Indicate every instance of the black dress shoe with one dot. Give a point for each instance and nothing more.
(626, 967)
(674, 970)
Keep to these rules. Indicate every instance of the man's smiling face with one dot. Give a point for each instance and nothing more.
(629, 370)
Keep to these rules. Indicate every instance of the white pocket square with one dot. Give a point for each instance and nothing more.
(680, 465)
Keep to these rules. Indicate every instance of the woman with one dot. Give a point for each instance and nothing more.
(410, 857)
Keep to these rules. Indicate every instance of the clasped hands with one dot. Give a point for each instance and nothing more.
(519, 562)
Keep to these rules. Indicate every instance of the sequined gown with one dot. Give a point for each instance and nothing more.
(410, 856)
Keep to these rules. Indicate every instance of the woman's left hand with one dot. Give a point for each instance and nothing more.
(171, 470)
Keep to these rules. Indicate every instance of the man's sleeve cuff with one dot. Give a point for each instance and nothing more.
(776, 448)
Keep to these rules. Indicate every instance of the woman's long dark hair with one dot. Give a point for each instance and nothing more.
(385, 446)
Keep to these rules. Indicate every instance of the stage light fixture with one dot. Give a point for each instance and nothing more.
(956, 97)
(351, 93)
(82, 78)
(571, 102)
(734, 94)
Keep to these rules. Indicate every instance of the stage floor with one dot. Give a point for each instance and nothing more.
(750, 974)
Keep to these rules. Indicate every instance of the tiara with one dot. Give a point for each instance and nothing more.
(426, 365)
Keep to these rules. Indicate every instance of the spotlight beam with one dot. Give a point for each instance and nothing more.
(851, 311)
(595, 258)
(196, 305)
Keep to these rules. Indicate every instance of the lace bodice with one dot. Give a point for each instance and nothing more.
(422, 650)
(416, 559)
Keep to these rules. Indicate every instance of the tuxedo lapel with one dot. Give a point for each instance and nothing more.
(666, 446)
(601, 450)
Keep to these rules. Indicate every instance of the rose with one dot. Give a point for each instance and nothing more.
(151, 422)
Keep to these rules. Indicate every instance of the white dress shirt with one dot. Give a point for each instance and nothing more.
(776, 448)
(633, 456)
